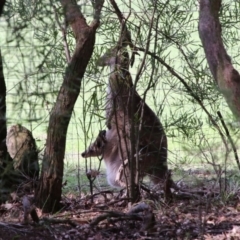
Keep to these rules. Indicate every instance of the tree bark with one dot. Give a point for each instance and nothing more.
(48, 194)
(225, 75)
(2, 3)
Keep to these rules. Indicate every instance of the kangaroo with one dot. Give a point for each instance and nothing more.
(153, 140)
(106, 146)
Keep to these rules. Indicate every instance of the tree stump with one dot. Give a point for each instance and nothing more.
(22, 148)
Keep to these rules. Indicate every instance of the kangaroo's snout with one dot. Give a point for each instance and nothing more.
(83, 154)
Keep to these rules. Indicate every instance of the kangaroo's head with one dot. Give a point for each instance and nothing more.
(116, 57)
(118, 60)
(97, 147)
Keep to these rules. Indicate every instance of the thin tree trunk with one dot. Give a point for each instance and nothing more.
(227, 78)
(49, 191)
(3, 124)
(6, 167)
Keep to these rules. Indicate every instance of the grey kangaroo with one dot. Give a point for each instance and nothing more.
(123, 114)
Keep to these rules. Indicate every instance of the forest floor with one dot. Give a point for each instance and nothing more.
(194, 212)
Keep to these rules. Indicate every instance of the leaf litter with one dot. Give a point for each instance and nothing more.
(198, 213)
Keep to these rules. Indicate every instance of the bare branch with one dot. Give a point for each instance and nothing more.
(125, 32)
(64, 34)
(147, 46)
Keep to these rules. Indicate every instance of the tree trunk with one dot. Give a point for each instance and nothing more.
(3, 123)
(227, 78)
(6, 175)
(2, 3)
(48, 194)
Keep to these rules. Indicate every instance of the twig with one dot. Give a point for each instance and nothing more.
(200, 222)
(168, 197)
(187, 195)
(216, 167)
(125, 30)
(118, 200)
(229, 138)
(64, 215)
(92, 179)
(147, 46)
(149, 83)
(29, 208)
(64, 34)
(121, 20)
(101, 193)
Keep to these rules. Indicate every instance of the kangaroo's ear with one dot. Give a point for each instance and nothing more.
(108, 61)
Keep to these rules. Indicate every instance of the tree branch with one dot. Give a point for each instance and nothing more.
(230, 139)
(126, 34)
(64, 34)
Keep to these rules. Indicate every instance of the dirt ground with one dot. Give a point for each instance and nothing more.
(195, 212)
(202, 218)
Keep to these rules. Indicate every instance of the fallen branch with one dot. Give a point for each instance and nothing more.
(59, 221)
(15, 227)
(118, 215)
